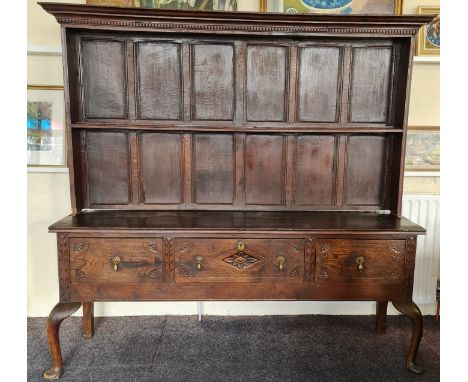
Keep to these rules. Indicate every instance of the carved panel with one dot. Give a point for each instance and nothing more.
(309, 260)
(410, 260)
(169, 259)
(250, 260)
(63, 267)
(338, 260)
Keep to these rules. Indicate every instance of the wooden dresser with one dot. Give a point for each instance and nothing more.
(242, 156)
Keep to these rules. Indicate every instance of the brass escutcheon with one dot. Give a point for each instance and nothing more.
(199, 260)
(116, 261)
(240, 246)
(281, 260)
(360, 262)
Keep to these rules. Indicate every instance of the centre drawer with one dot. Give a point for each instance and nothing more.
(238, 260)
(115, 260)
(352, 260)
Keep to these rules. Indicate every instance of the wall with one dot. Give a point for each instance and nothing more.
(49, 200)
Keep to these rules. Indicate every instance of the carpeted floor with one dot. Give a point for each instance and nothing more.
(218, 349)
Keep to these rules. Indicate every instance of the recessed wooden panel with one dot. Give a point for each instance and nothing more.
(365, 169)
(318, 84)
(213, 82)
(264, 169)
(314, 170)
(161, 168)
(159, 80)
(266, 83)
(107, 167)
(214, 168)
(104, 79)
(370, 84)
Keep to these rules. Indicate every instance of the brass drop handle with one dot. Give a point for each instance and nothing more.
(360, 262)
(240, 246)
(115, 262)
(199, 260)
(281, 263)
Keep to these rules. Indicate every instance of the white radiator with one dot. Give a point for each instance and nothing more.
(424, 210)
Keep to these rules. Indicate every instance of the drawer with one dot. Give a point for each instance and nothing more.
(249, 260)
(345, 260)
(116, 260)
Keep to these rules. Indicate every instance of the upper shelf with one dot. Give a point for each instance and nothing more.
(247, 23)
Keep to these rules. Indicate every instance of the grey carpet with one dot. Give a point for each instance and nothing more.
(271, 348)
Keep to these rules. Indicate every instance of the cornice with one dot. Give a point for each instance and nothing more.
(86, 16)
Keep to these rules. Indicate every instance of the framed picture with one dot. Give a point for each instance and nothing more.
(202, 5)
(45, 126)
(428, 42)
(423, 150)
(345, 7)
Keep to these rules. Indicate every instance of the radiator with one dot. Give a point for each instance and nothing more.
(424, 210)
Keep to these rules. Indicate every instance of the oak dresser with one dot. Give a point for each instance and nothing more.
(234, 156)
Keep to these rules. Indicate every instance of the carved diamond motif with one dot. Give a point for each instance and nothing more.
(240, 260)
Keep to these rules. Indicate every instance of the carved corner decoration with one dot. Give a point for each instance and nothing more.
(78, 247)
(410, 260)
(169, 259)
(79, 273)
(63, 265)
(240, 260)
(309, 261)
(154, 273)
(153, 247)
(183, 271)
(295, 272)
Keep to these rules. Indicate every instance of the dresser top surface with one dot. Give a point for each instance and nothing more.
(320, 221)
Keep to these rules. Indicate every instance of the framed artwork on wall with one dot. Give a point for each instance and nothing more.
(45, 126)
(423, 149)
(202, 5)
(428, 42)
(333, 6)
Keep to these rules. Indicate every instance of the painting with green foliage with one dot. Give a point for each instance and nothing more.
(203, 5)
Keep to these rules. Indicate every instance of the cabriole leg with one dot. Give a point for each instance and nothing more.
(381, 317)
(88, 319)
(61, 311)
(411, 310)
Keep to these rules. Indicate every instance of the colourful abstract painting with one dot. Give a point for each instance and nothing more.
(45, 126)
(342, 6)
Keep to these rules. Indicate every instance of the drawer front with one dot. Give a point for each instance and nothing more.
(116, 260)
(344, 260)
(248, 260)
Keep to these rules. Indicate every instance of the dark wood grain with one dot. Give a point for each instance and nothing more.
(214, 168)
(203, 145)
(365, 170)
(161, 166)
(104, 77)
(107, 157)
(314, 170)
(159, 72)
(370, 85)
(220, 260)
(266, 83)
(213, 81)
(264, 161)
(319, 83)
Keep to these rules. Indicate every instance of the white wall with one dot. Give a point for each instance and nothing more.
(49, 196)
